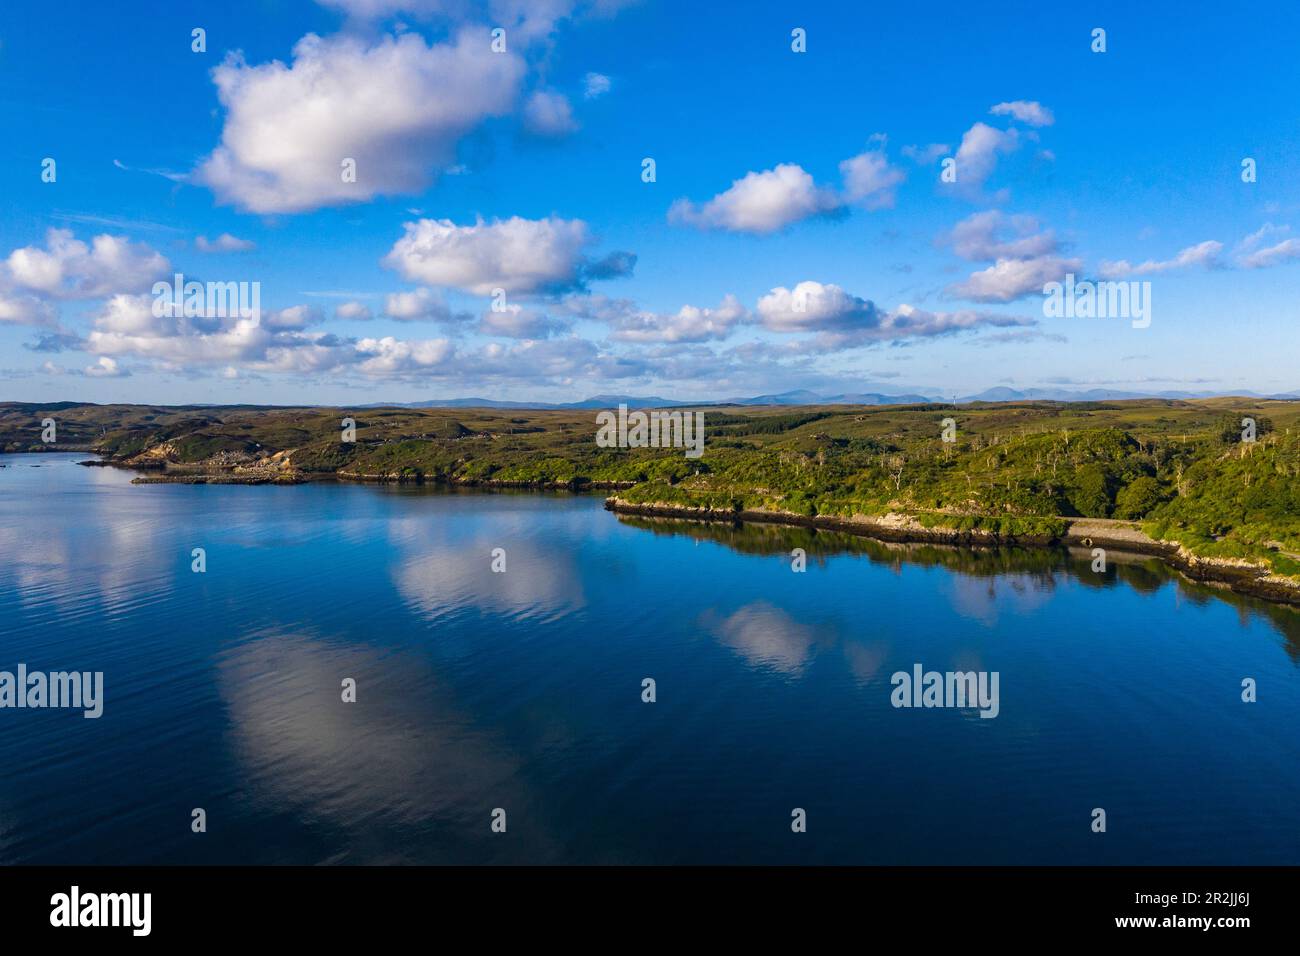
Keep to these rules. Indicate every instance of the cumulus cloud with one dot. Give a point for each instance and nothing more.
(294, 317)
(869, 180)
(397, 108)
(549, 114)
(984, 236)
(814, 307)
(1203, 254)
(1024, 257)
(1009, 279)
(18, 309)
(357, 311)
(105, 368)
(224, 243)
(420, 305)
(69, 269)
(127, 325)
(690, 323)
(843, 320)
(388, 355)
(761, 203)
(521, 256)
(1029, 112)
(977, 156)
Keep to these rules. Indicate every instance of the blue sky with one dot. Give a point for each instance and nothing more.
(798, 232)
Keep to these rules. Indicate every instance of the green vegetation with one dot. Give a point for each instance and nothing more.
(1179, 468)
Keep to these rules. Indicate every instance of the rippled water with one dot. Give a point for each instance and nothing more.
(522, 690)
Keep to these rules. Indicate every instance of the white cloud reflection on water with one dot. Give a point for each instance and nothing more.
(402, 771)
(439, 572)
(764, 635)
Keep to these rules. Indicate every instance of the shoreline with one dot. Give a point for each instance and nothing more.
(1241, 577)
(168, 474)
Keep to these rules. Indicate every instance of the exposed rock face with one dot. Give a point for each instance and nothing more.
(223, 467)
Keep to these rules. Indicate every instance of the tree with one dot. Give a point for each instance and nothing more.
(1139, 498)
(1091, 492)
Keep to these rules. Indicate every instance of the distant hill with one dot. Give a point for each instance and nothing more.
(595, 401)
(804, 396)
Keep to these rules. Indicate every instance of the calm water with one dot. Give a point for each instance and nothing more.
(522, 690)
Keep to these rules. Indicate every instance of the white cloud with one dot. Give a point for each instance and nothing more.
(526, 21)
(1204, 254)
(1284, 251)
(842, 320)
(389, 356)
(1251, 252)
(128, 326)
(233, 346)
(548, 113)
(24, 310)
(522, 256)
(358, 311)
(594, 85)
(69, 269)
(869, 179)
(422, 305)
(977, 156)
(516, 322)
(982, 237)
(397, 108)
(926, 155)
(814, 307)
(294, 317)
(224, 243)
(759, 202)
(1029, 112)
(106, 368)
(690, 323)
(1009, 279)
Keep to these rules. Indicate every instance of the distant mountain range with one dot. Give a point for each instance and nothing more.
(806, 397)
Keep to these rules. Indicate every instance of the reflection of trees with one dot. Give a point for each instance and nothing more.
(1142, 573)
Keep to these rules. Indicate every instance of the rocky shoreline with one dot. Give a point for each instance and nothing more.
(1243, 577)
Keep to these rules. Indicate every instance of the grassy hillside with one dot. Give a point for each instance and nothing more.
(1180, 468)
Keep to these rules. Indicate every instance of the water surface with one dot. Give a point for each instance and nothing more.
(522, 690)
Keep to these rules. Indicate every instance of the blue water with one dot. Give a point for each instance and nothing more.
(522, 690)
